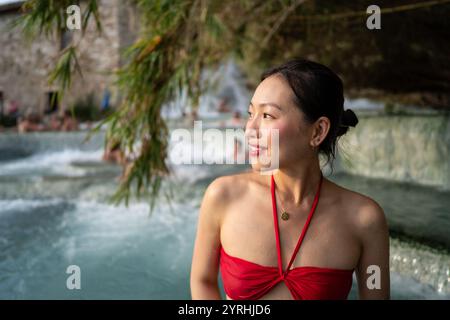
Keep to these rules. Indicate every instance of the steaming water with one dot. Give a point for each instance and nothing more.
(54, 213)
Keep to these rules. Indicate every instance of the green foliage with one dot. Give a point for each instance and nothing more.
(49, 16)
(66, 66)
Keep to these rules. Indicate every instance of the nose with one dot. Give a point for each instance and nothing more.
(252, 128)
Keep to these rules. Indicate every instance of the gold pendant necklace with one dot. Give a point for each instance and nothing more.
(284, 213)
(285, 216)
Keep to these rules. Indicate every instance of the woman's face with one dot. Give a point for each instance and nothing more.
(271, 110)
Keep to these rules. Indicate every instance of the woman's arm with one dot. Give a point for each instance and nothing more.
(205, 260)
(372, 271)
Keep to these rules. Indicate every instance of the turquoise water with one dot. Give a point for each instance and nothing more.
(54, 213)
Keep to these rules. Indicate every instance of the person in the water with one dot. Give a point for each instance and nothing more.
(113, 153)
(69, 123)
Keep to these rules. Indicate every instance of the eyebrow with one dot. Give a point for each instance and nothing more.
(271, 104)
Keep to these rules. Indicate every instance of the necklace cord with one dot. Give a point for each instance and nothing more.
(281, 203)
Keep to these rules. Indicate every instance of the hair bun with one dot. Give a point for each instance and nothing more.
(349, 119)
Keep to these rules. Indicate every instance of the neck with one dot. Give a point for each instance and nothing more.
(297, 183)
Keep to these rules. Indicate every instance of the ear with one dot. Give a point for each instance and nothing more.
(319, 131)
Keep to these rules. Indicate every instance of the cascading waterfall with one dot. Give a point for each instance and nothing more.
(410, 148)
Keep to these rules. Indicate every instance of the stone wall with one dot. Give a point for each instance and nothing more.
(413, 149)
(24, 66)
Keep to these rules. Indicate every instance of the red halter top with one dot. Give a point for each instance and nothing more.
(245, 280)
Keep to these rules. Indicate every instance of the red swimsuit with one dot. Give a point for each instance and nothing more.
(245, 280)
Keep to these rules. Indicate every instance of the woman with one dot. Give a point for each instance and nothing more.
(270, 235)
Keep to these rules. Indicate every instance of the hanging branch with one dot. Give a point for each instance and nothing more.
(284, 14)
(353, 14)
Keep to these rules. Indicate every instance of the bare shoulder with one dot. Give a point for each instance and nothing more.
(226, 189)
(230, 186)
(365, 214)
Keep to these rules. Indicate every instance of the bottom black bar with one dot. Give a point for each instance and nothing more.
(178, 309)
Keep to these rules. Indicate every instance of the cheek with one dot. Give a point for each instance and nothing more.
(293, 142)
(288, 135)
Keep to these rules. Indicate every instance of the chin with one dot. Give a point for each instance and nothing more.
(260, 166)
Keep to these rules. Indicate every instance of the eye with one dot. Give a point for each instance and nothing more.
(268, 115)
(249, 114)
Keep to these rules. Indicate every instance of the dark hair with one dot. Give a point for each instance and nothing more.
(318, 92)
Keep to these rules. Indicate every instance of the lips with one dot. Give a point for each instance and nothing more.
(255, 149)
